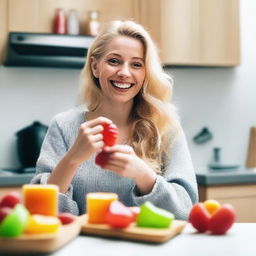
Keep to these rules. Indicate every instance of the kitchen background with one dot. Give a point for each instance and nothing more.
(223, 99)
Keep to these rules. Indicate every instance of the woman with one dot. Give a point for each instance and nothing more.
(122, 83)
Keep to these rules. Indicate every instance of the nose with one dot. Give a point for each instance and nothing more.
(124, 71)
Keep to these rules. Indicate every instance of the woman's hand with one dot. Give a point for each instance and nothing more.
(88, 141)
(124, 162)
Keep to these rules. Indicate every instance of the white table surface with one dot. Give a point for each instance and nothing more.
(239, 241)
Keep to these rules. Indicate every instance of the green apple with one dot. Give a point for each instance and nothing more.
(155, 217)
(15, 222)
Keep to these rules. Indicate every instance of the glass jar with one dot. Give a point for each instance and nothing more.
(73, 23)
(93, 25)
(59, 22)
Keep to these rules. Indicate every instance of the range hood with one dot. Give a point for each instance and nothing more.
(46, 50)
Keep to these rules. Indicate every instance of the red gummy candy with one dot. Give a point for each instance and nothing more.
(102, 158)
(109, 134)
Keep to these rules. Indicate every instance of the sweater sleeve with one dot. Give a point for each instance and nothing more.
(53, 149)
(176, 190)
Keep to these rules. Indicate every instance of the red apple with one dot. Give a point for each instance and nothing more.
(66, 218)
(222, 219)
(199, 217)
(118, 215)
(10, 199)
(4, 211)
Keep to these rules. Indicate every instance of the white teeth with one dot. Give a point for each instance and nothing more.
(122, 85)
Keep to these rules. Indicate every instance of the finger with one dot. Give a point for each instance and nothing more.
(97, 137)
(97, 121)
(96, 129)
(116, 163)
(119, 156)
(114, 168)
(99, 145)
(120, 148)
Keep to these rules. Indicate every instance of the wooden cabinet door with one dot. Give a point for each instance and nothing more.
(241, 196)
(23, 15)
(173, 24)
(118, 10)
(180, 31)
(194, 32)
(219, 32)
(38, 15)
(3, 27)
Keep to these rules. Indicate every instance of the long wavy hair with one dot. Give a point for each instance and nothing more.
(153, 117)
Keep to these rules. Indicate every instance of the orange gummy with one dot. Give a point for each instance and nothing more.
(211, 205)
(41, 199)
(97, 205)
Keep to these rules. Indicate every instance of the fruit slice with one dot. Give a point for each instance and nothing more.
(109, 134)
(39, 224)
(102, 158)
(152, 216)
(15, 222)
(118, 215)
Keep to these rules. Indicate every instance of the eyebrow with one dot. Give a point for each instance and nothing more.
(118, 55)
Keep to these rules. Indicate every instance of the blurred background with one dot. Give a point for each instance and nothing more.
(208, 92)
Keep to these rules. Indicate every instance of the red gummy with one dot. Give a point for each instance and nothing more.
(109, 134)
(102, 158)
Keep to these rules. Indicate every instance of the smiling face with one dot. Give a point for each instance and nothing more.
(121, 69)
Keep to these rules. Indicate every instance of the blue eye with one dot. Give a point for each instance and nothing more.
(137, 65)
(113, 61)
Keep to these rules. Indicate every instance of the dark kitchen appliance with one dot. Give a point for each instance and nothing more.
(47, 50)
(29, 142)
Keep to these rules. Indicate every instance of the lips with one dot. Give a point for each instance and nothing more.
(120, 85)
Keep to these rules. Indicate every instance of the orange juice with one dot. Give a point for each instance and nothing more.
(41, 199)
(97, 204)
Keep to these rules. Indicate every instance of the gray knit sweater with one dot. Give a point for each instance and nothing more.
(175, 191)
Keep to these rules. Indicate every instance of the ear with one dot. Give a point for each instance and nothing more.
(94, 66)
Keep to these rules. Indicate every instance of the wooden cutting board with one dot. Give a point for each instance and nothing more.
(41, 243)
(153, 235)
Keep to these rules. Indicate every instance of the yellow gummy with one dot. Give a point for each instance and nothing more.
(40, 224)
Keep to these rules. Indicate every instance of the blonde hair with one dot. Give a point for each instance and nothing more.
(153, 117)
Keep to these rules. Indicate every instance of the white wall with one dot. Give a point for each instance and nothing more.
(223, 99)
(29, 94)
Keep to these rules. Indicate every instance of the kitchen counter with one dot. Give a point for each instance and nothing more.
(220, 177)
(8, 178)
(204, 178)
(240, 240)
